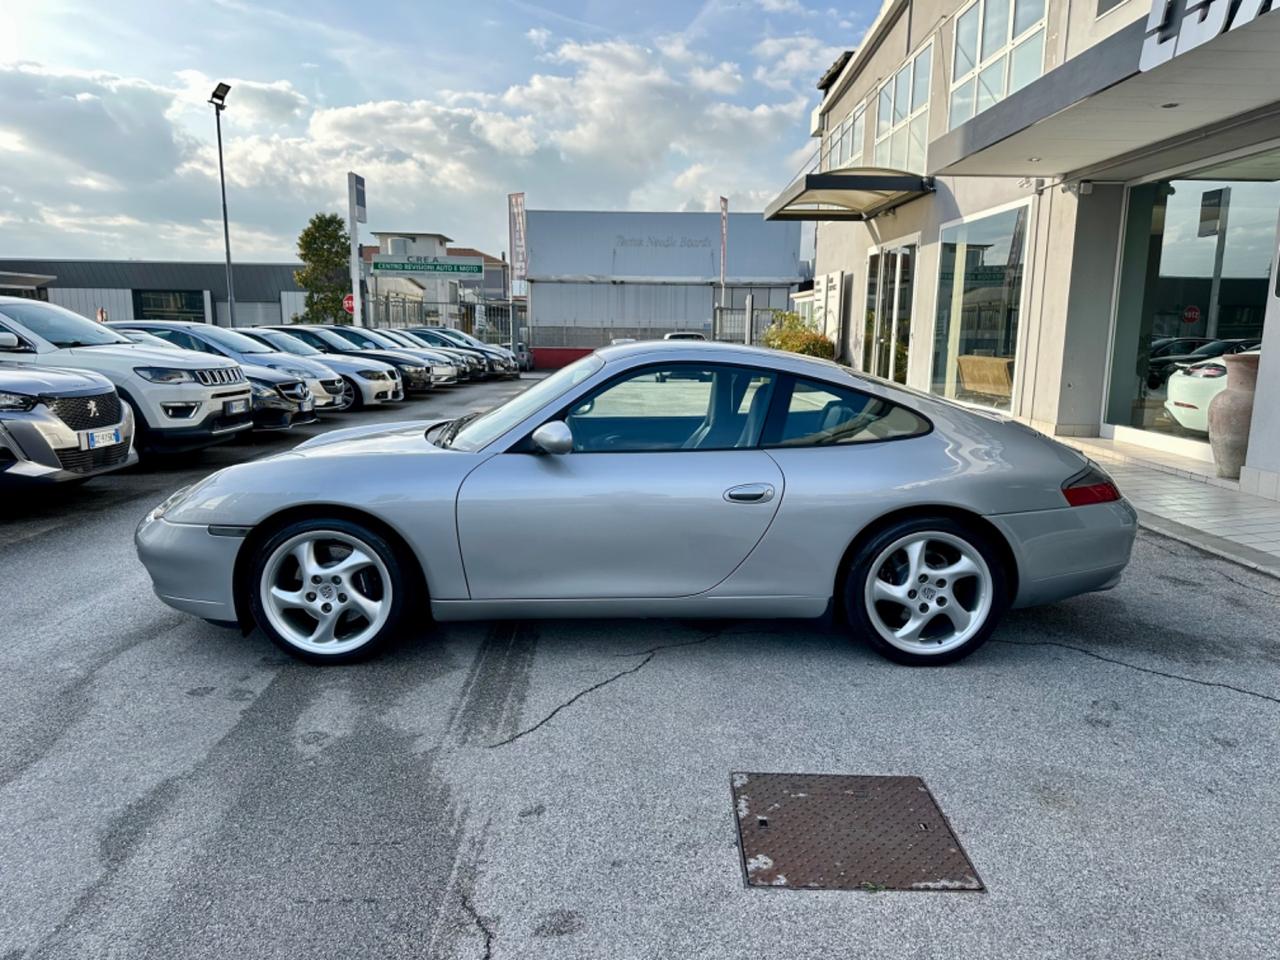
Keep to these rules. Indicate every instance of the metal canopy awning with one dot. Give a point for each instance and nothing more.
(855, 193)
(24, 281)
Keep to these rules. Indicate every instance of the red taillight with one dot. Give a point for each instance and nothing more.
(1090, 486)
(1208, 371)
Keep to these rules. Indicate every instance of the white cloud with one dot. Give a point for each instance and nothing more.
(785, 62)
(784, 6)
(250, 102)
(724, 77)
(540, 37)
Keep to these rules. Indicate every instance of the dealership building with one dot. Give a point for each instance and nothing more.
(1015, 199)
(598, 275)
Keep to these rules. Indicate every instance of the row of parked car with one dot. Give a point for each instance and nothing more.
(78, 398)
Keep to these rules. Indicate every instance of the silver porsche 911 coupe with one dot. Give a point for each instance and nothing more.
(652, 479)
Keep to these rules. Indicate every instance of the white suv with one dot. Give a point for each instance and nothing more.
(180, 400)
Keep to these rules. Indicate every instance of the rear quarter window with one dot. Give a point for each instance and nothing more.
(812, 414)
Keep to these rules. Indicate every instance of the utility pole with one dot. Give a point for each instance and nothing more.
(219, 100)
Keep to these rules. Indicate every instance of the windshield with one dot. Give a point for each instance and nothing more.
(363, 339)
(60, 327)
(501, 419)
(456, 337)
(1215, 349)
(237, 342)
(289, 344)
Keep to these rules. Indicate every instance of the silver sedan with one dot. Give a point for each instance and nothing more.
(654, 479)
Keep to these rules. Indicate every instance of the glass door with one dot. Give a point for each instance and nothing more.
(890, 295)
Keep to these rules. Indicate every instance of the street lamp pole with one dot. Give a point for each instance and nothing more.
(219, 101)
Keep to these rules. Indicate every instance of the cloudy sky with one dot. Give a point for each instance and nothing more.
(106, 141)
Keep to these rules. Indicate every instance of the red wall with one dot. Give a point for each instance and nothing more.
(553, 358)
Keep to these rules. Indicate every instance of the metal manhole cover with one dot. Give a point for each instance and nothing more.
(826, 832)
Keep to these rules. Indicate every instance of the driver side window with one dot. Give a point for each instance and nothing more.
(681, 406)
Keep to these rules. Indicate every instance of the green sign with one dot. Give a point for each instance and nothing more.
(441, 265)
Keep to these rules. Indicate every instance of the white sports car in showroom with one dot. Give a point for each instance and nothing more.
(1191, 389)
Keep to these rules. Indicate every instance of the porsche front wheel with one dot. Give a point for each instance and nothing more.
(327, 591)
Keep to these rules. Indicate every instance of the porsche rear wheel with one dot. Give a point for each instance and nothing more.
(926, 591)
(327, 591)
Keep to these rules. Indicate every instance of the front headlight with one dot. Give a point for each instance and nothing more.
(18, 402)
(414, 371)
(164, 374)
(373, 374)
(170, 502)
(261, 390)
(300, 373)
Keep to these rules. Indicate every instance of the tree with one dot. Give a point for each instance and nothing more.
(324, 248)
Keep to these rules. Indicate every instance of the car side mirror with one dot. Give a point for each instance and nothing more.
(9, 341)
(553, 437)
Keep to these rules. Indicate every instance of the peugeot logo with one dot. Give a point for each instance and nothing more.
(93, 408)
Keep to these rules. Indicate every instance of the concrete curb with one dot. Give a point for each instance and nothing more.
(1221, 547)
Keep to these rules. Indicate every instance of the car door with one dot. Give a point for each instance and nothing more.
(663, 495)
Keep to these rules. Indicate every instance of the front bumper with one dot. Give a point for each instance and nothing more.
(417, 382)
(191, 569)
(37, 448)
(1068, 551)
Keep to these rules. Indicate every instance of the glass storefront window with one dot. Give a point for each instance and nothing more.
(1195, 269)
(886, 344)
(979, 300)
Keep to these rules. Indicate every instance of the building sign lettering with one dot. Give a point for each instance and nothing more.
(670, 240)
(1176, 26)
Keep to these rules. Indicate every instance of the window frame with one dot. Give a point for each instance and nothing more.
(1011, 42)
(525, 443)
(834, 139)
(779, 407)
(908, 64)
(1020, 359)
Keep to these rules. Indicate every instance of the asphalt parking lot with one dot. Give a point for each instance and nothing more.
(561, 789)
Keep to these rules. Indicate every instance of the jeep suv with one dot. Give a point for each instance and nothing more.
(180, 400)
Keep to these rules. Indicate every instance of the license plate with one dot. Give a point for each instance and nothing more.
(306, 406)
(101, 438)
(232, 407)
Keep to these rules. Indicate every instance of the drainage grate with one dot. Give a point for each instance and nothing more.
(825, 832)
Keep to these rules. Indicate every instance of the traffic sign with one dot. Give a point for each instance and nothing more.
(1191, 314)
(466, 266)
(349, 303)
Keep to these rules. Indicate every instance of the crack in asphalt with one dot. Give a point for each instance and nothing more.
(1153, 534)
(648, 656)
(480, 925)
(1134, 666)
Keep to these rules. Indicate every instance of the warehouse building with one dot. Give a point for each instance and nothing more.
(599, 275)
(159, 290)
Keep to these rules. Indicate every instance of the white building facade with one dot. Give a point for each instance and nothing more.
(1018, 203)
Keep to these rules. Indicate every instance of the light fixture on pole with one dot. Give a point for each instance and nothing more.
(219, 100)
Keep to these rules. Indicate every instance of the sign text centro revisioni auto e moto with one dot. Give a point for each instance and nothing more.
(472, 266)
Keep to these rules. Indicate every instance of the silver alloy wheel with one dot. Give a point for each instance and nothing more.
(325, 592)
(348, 398)
(929, 592)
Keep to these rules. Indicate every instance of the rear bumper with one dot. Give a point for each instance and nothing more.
(191, 569)
(1073, 550)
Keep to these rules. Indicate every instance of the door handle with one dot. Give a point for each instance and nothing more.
(750, 493)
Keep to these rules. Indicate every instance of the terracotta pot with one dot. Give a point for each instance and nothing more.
(1230, 413)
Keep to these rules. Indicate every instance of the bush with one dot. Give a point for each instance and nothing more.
(789, 332)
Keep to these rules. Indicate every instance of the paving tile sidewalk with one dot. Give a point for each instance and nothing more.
(1181, 498)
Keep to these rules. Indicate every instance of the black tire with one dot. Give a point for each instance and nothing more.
(398, 585)
(357, 396)
(855, 586)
